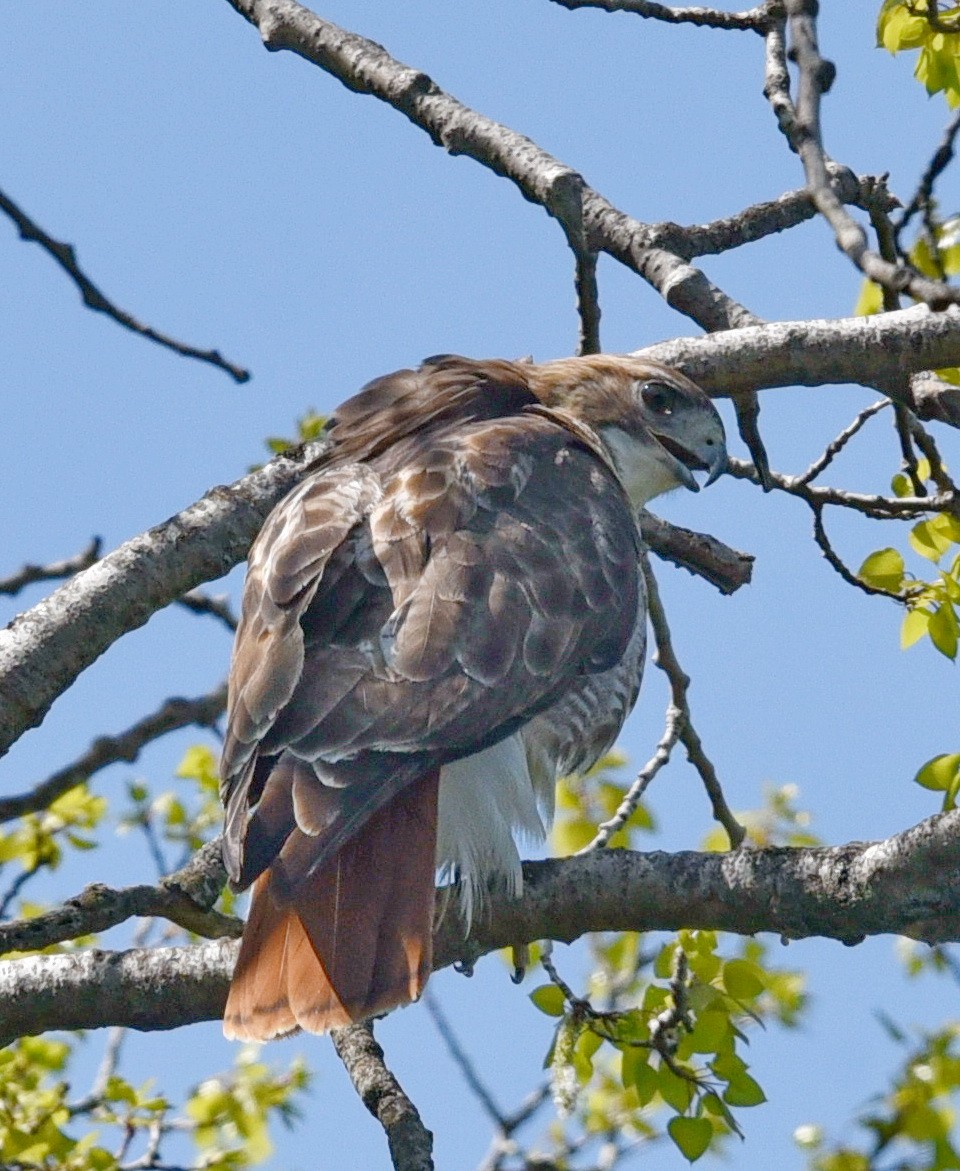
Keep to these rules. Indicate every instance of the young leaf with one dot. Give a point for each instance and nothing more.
(549, 999)
(691, 1135)
(884, 570)
(939, 773)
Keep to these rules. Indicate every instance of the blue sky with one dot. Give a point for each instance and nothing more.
(245, 200)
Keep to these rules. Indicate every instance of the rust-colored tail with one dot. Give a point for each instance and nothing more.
(352, 939)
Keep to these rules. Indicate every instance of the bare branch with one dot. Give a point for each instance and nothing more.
(183, 898)
(411, 1144)
(588, 301)
(837, 445)
(666, 659)
(923, 196)
(870, 351)
(65, 255)
(877, 507)
(800, 124)
(906, 885)
(366, 67)
(174, 713)
(200, 603)
(55, 571)
(753, 20)
(463, 1062)
(837, 563)
(727, 569)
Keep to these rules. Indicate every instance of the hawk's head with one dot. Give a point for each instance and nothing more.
(657, 426)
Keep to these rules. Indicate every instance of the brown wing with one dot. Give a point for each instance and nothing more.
(413, 611)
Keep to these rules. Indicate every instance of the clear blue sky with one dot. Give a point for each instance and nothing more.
(245, 200)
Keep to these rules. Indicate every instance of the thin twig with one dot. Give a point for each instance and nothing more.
(666, 659)
(502, 1145)
(411, 1144)
(15, 888)
(634, 795)
(833, 558)
(927, 444)
(460, 1057)
(55, 571)
(876, 507)
(65, 255)
(175, 713)
(837, 445)
(202, 603)
(923, 196)
(901, 420)
(107, 1068)
(546, 960)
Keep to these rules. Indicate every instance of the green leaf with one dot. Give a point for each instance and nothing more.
(741, 979)
(675, 1091)
(942, 629)
(869, 301)
(691, 1135)
(939, 773)
(928, 540)
(884, 570)
(710, 1032)
(743, 1090)
(646, 1083)
(549, 999)
(914, 626)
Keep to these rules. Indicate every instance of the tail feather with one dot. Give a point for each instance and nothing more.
(351, 939)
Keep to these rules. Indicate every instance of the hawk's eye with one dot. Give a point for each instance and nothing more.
(658, 397)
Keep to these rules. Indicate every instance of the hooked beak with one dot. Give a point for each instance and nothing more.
(691, 461)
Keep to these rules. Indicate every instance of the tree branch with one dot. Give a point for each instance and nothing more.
(55, 571)
(185, 898)
(727, 569)
(65, 255)
(411, 1144)
(753, 20)
(45, 649)
(908, 885)
(863, 350)
(800, 123)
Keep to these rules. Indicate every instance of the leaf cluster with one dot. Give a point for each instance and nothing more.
(933, 30)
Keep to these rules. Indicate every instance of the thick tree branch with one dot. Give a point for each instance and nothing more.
(45, 649)
(864, 350)
(411, 1144)
(174, 713)
(906, 885)
(65, 255)
(185, 898)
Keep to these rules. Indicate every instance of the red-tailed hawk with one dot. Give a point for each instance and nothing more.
(444, 616)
